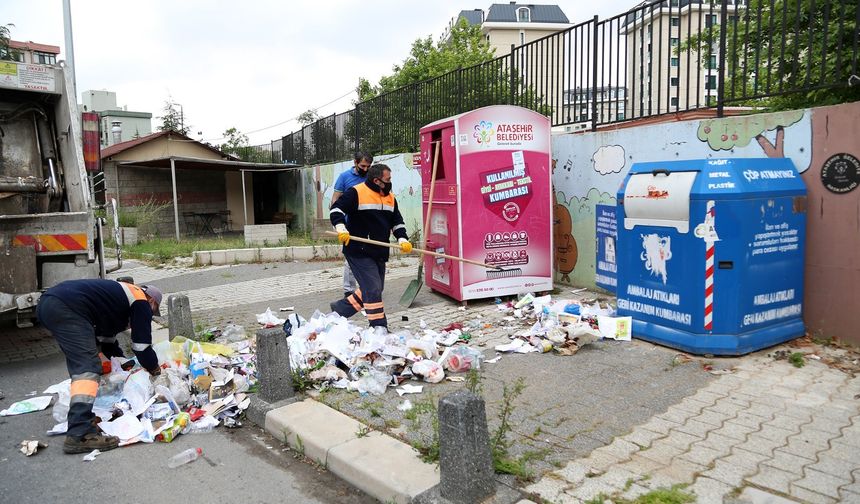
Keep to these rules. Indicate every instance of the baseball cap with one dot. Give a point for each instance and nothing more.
(155, 293)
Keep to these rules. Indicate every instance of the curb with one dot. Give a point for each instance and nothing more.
(268, 254)
(378, 464)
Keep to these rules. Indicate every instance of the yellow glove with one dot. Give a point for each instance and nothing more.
(342, 234)
(405, 246)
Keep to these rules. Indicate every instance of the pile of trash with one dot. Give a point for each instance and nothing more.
(563, 326)
(330, 351)
(202, 385)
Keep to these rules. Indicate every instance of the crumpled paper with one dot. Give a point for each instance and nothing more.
(27, 406)
(31, 446)
(269, 319)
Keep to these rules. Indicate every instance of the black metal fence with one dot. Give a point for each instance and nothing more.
(659, 58)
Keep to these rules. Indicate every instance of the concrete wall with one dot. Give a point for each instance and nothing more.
(405, 178)
(265, 234)
(233, 186)
(199, 191)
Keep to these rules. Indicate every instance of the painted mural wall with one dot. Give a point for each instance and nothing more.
(589, 168)
(405, 179)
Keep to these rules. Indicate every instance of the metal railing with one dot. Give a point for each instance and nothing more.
(662, 57)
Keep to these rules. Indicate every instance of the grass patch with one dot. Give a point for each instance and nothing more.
(672, 495)
(796, 360)
(165, 249)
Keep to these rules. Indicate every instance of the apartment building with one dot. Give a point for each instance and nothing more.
(118, 124)
(515, 24)
(31, 52)
(663, 76)
(611, 104)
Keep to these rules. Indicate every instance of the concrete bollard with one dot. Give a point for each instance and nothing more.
(179, 321)
(273, 371)
(465, 461)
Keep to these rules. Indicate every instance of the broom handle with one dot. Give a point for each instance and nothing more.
(420, 251)
(436, 149)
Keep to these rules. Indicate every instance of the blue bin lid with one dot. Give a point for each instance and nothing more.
(732, 178)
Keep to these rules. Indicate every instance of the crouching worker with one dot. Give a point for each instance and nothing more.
(368, 210)
(84, 316)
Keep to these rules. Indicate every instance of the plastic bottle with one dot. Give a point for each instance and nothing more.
(182, 458)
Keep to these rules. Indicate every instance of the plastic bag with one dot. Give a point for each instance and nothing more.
(233, 333)
(137, 391)
(462, 358)
(430, 370)
(269, 319)
(61, 407)
(425, 348)
(374, 382)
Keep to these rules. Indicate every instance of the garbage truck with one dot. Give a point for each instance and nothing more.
(49, 231)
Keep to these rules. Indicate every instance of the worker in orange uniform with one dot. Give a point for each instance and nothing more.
(84, 316)
(368, 210)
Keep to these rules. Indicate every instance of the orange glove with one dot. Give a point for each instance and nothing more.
(342, 234)
(405, 246)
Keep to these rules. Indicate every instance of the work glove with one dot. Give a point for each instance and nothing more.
(405, 246)
(342, 234)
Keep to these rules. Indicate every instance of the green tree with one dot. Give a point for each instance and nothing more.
(786, 47)
(5, 37)
(173, 119)
(465, 47)
(308, 117)
(235, 141)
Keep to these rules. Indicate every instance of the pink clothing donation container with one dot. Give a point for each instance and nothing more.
(492, 202)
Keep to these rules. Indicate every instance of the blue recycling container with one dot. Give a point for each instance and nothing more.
(711, 253)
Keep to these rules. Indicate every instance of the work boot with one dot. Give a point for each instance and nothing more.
(90, 442)
(332, 305)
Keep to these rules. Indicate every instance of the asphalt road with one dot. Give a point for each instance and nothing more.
(242, 465)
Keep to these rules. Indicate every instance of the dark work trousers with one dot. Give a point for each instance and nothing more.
(370, 275)
(76, 337)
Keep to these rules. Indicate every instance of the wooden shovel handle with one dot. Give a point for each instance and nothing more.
(420, 251)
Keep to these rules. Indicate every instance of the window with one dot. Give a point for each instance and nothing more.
(676, 21)
(11, 55)
(673, 41)
(649, 30)
(710, 100)
(711, 83)
(619, 116)
(674, 101)
(673, 81)
(712, 62)
(674, 3)
(522, 37)
(674, 62)
(710, 20)
(44, 58)
(524, 15)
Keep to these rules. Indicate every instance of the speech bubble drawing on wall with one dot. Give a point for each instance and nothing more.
(608, 159)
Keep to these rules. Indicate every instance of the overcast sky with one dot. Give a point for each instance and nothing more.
(248, 64)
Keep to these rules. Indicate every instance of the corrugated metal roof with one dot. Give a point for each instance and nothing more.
(539, 13)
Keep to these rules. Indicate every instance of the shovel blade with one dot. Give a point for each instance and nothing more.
(410, 293)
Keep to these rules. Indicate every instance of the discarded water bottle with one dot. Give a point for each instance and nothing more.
(182, 458)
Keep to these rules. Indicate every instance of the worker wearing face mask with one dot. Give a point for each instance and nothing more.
(368, 210)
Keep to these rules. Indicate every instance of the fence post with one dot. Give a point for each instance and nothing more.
(459, 90)
(513, 73)
(357, 146)
(721, 78)
(594, 41)
(416, 124)
(304, 158)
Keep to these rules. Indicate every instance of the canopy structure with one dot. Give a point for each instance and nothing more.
(188, 163)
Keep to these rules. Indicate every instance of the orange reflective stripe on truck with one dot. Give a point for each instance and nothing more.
(52, 242)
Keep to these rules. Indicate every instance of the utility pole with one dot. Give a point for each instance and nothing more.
(70, 46)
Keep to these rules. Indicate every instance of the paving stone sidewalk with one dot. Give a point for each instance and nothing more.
(792, 432)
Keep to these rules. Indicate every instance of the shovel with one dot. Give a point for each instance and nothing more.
(420, 251)
(414, 286)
